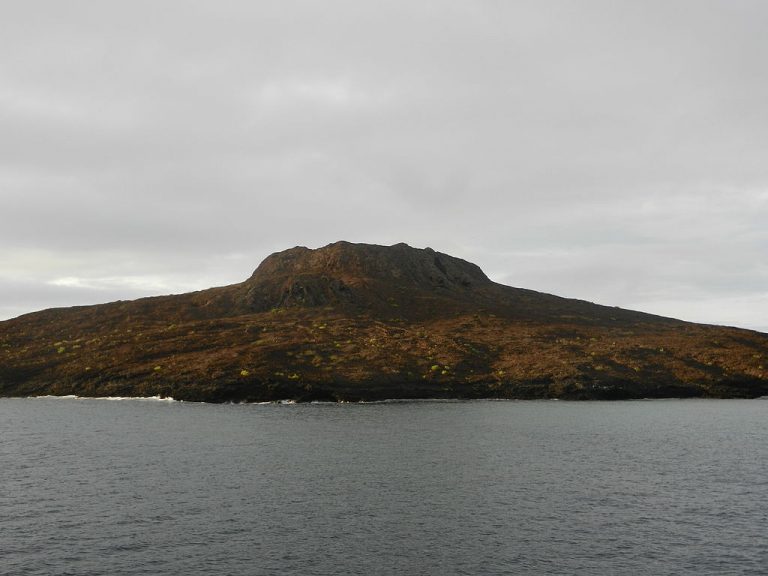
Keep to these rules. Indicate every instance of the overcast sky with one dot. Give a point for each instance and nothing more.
(605, 150)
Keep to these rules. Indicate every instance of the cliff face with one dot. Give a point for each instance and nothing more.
(354, 321)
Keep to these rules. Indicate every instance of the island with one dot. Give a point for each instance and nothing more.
(361, 322)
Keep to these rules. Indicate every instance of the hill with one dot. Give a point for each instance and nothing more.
(365, 322)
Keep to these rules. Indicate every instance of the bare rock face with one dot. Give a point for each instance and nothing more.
(358, 275)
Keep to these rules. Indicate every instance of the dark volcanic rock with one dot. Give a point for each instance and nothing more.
(362, 275)
(362, 322)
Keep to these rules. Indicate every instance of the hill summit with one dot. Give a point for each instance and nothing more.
(343, 273)
(367, 322)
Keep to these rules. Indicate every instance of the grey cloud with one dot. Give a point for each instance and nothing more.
(613, 151)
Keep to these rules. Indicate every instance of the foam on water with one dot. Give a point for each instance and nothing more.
(112, 398)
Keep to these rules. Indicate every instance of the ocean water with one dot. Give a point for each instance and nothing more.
(134, 487)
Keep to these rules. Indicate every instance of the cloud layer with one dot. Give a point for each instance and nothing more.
(609, 151)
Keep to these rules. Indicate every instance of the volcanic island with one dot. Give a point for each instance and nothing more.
(361, 322)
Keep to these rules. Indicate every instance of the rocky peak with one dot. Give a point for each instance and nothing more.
(337, 272)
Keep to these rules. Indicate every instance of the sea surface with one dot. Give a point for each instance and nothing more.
(127, 487)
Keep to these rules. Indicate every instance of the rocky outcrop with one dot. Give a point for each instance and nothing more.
(344, 274)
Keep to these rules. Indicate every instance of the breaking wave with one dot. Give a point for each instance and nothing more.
(113, 398)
